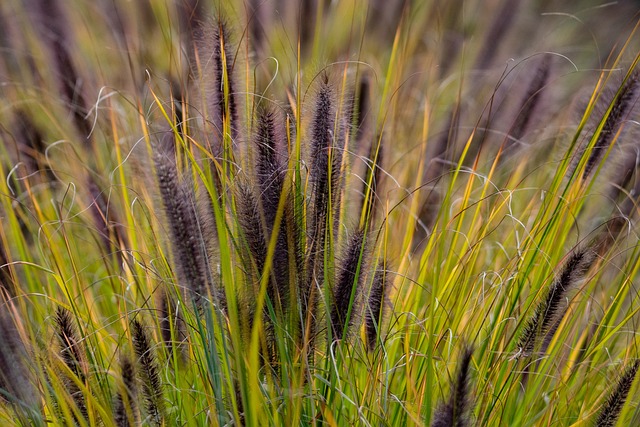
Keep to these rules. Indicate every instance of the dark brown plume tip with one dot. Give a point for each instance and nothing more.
(375, 310)
(149, 373)
(610, 412)
(454, 413)
(543, 324)
(346, 293)
(125, 411)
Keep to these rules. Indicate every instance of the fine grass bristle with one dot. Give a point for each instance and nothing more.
(125, 411)
(149, 374)
(542, 325)
(324, 154)
(255, 247)
(454, 413)
(610, 412)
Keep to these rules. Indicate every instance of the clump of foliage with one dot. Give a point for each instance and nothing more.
(307, 213)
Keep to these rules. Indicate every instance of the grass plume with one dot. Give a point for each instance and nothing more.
(172, 326)
(531, 99)
(18, 384)
(541, 326)
(610, 412)
(53, 26)
(125, 408)
(148, 371)
(454, 413)
(375, 309)
(71, 353)
(187, 242)
(326, 155)
(620, 107)
(346, 294)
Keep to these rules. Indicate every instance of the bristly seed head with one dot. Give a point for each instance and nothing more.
(346, 294)
(17, 382)
(622, 104)
(148, 371)
(542, 325)
(610, 412)
(71, 353)
(125, 412)
(186, 231)
(376, 303)
(454, 413)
